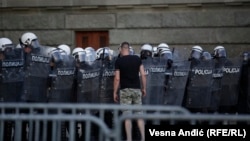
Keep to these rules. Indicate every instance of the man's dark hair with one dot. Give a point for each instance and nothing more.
(125, 43)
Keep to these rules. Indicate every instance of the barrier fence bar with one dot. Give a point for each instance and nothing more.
(67, 116)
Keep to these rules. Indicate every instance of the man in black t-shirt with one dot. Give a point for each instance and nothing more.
(127, 69)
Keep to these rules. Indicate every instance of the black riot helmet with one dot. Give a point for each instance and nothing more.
(219, 52)
(146, 51)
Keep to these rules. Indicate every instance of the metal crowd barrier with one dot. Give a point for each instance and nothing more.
(72, 113)
(36, 113)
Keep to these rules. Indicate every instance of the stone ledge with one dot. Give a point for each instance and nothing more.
(51, 3)
(45, 37)
(39, 21)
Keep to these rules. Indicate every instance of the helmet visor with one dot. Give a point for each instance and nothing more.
(220, 53)
(35, 43)
(81, 56)
(167, 55)
(8, 47)
(206, 56)
(145, 53)
(195, 54)
(56, 56)
(90, 56)
(104, 54)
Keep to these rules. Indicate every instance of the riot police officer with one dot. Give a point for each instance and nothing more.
(146, 51)
(231, 71)
(62, 74)
(160, 47)
(79, 55)
(36, 69)
(244, 97)
(36, 75)
(88, 79)
(176, 76)
(107, 73)
(155, 68)
(61, 81)
(198, 91)
(11, 71)
(11, 80)
(219, 58)
(146, 57)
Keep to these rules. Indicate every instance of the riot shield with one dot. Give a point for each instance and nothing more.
(176, 79)
(216, 85)
(38, 65)
(62, 81)
(155, 70)
(12, 70)
(13, 67)
(230, 82)
(88, 78)
(107, 82)
(198, 89)
(243, 106)
(36, 74)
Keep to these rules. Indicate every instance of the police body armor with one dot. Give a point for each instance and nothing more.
(175, 82)
(12, 76)
(36, 75)
(107, 81)
(198, 89)
(88, 78)
(230, 82)
(155, 70)
(62, 80)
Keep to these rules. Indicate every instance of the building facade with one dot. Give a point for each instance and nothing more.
(181, 24)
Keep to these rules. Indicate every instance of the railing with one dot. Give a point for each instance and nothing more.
(40, 116)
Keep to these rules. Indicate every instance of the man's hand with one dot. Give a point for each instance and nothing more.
(143, 91)
(116, 98)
